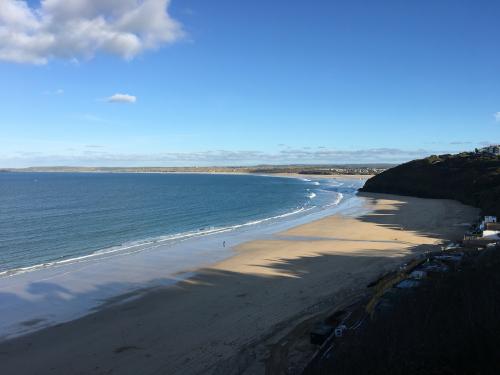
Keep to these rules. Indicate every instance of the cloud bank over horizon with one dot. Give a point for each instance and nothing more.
(101, 157)
(79, 29)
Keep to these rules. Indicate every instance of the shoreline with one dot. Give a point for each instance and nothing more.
(238, 306)
(168, 237)
(84, 284)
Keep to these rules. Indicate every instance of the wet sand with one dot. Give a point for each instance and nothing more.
(227, 317)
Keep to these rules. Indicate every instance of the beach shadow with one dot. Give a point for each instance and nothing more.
(194, 316)
(401, 215)
(154, 320)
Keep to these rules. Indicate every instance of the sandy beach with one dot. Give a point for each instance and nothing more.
(229, 316)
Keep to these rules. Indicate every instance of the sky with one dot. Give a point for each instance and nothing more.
(224, 82)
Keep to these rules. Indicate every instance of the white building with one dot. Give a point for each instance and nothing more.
(491, 234)
(487, 219)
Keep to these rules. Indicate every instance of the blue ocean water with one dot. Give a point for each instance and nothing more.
(48, 217)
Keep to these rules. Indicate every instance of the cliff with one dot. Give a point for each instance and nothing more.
(471, 178)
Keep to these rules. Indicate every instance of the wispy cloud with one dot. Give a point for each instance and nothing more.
(121, 98)
(497, 116)
(486, 143)
(89, 117)
(55, 92)
(78, 29)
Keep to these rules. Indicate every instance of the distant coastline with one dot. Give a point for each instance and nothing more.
(316, 170)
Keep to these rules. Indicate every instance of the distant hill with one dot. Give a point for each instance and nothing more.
(472, 178)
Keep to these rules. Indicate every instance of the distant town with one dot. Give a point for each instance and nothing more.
(318, 169)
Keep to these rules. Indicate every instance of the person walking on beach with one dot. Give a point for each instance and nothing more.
(223, 243)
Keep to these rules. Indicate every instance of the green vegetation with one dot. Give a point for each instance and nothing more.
(471, 178)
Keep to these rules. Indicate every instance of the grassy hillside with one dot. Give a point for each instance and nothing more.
(470, 178)
(449, 326)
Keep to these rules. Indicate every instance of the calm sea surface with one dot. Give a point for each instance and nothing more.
(49, 217)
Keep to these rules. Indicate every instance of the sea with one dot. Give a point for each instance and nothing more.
(49, 218)
(72, 242)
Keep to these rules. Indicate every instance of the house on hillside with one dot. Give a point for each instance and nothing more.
(490, 150)
(489, 232)
(488, 220)
(491, 228)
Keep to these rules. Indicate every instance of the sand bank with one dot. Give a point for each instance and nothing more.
(341, 177)
(227, 317)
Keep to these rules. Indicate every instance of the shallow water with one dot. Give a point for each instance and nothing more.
(62, 290)
(54, 217)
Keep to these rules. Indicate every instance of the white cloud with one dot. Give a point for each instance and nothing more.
(56, 92)
(121, 98)
(497, 116)
(76, 29)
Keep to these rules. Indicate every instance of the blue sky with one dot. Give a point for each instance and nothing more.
(247, 82)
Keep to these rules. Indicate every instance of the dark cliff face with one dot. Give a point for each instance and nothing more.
(470, 178)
